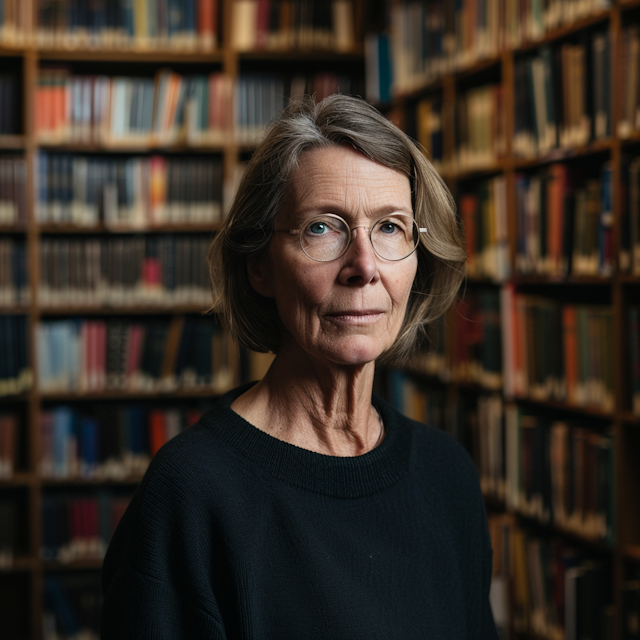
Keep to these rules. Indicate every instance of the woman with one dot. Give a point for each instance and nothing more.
(300, 507)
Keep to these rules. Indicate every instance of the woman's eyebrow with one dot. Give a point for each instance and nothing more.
(344, 213)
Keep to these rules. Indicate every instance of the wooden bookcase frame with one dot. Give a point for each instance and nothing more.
(30, 55)
(624, 288)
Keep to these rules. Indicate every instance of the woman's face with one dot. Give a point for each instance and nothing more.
(350, 310)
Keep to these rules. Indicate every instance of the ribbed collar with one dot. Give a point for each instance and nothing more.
(338, 477)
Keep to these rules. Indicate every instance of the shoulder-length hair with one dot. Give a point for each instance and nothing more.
(246, 231)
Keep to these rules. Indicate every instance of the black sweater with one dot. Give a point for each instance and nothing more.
(235, 534)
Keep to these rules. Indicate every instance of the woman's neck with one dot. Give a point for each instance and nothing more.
(319, 406)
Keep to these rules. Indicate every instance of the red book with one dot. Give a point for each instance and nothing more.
(157, 431)
(207, 22)
(262, 27)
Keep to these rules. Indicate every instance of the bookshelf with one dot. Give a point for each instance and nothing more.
(549, 205)
(85, 174)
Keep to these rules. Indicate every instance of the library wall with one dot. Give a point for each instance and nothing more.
(124, 128)
(529, 112)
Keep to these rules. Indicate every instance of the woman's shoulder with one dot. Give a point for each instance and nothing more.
(435, 454)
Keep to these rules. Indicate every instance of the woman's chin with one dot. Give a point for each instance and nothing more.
(354, 351)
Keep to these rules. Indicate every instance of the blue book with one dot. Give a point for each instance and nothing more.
(385, 68)
(190, 18)
(62, 437)
(126, 19)
(176, 18)
(57, 599)
(88, 446)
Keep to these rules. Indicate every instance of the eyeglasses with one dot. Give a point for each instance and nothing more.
(327, 237)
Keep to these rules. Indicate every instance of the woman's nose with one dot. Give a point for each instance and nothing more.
(360, 266)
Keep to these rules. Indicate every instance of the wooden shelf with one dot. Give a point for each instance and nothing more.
(90, 482)
(76, 565)
(18, 309)
(632, 552)
(132, 55)
(133, 310)
(598, 281)
(13, 228)
(20, 565)
(564, 154)
(67, 228)
(208, 392)
(12, 142)
(133, 148)
(629, 417)
(587, 411)
(293, 55)
(18, 480)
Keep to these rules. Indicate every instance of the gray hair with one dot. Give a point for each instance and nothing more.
(337, 120)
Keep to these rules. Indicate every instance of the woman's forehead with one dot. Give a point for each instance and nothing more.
(340, 177)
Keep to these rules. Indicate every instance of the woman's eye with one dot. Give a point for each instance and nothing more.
(388, 227)
(318, 228)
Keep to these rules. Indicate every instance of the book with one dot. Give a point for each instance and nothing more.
(13, 192)
(296, 24)
(131, 112)
(108, 443)
(15, 371)
(132, 193)
(155, 355)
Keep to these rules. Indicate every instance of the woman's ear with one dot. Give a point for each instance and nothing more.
(259, 272)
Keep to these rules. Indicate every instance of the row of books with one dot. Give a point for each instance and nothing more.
(629, 122)
(558, 352)
(558, 591)
(72, 605)
(128, 193)
(13, 191)
(77, 527)
(111, 442)
(465, 345)
(480, 128)
(122, 271)
(292, 24)
(260, 97)
(378, 71)
(151, 355)
(182, 24)
(564, 222)
(8, 104)
(629, 258)
(563, 96)
(9, 426)
(170, 109)
(555, 472)
(435, 37)
(559, 473)
(132, 111)
(634, 357)
(14, 284)
(483, 211)
(427, 130)
(16, 21)
(15, 374)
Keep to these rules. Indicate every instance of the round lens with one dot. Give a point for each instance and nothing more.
(325, 238)
(395, 237)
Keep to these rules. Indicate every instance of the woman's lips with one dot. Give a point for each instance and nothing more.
(355, 317)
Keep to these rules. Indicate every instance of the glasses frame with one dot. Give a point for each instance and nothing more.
(369, 229)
